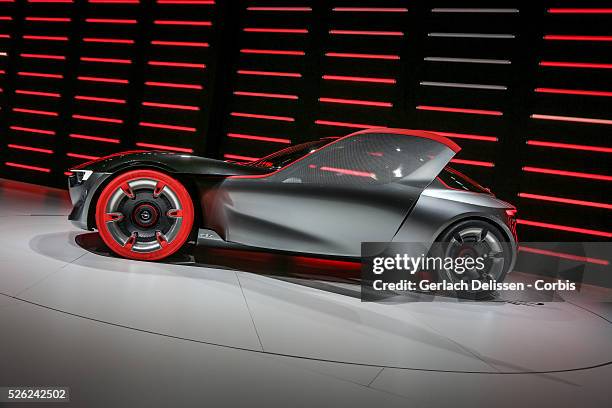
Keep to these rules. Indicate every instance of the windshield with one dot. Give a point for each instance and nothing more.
(282, 158)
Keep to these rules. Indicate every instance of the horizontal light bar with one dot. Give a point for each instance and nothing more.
(238, 157)
(110, 21)
(562, 64)
(183, 23)
(598, 149)
(188, 2)
(562, 200)
(30, 148)
(564, 228)
(265, 95)
(106, 60)
(555, 172)
(82, 156)
(573, 92)
(468, 60)
(473, 162)
(35, 112)
(32, 130)
(43, 56)
(269, 73)
(259, 138)
(272, 52)
(463, 85)
(572, 119)
(94, 138)
(180, 43)
(108, 40)
(166, 126)
(555, 37)
(259, 116)
(275, 30)
(367, 32)
(563, 255)
(580, 10)
(362, 56)
(164, 147)
(176, 64)
(370, 9)
(466, 136)
(359, 79)
(345, 124)
(472, 35)
(170, 106)
(99, 99)
(104, 80)
(290, 9)
(28, 167)
(460, 110)
(174, 85)
(114, 1)
(97, 119)
(44, 38)
(473, 10)
(49, 19)
(37, 93)
(356, 102)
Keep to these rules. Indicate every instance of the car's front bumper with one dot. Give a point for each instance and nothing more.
(81, 194)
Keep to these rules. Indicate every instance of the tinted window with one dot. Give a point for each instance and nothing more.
(453, 179)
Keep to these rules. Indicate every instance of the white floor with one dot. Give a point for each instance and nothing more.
(126, 333)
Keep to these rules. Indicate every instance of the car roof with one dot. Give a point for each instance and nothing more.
(411, 132)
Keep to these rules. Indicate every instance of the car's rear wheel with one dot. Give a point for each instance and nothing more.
(145, 215)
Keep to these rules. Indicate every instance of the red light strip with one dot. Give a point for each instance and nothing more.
(165, 126)
(180, 43)
(269, 73)
(5, 36)
(110, 21)
(188, 2)
(6, 18)
(108, 40)
(371, 9)
(265, 95)
(98, 99)
(356, 102)
(176, 64)
(578, 37)
(473, 162)
(82, 156)
(115, 1)
(238, 157)
(49, 1)
(35, 112)
(275, 30)
(573, 92)
(33, 130)
(97, 119)
(563, 255)
(580, 10)
(259, 138)
(173, 85)
(106, 60)
(344, 124)
(171, 106)
(37, 93)
(567, 173)
(572, 119)
(348, 172)
(279, 8)
(94, 138)
(44, 38)
(598, 149)
(266, 117)
(28, 167)
(272, 52)
(362, 56)
(562, 64)
(105, 80)
(359, 79)
(364, 32)
(565, 200)
(164, 147)
(30, 149)
(460, 110)
(43, 56)
(466, 136)
(564, 228)
(49, 19)
(183, 23)
(40, 75)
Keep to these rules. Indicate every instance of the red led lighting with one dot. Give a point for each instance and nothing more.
(578, 37)
(356, 102)
(49, 19)
(565, 228)
(6, 18)
(108, 40)
(572, 119)
(5, 36)
(259, 138)
(165, 126)
(40, 75)
(598, 149)
(344, 124)
(37, 93)
(97, 119)
(275, 30)
(563, 255)
(362, 56)
(164, 147)
(50, 1)
(272, 52)
(580, 10)
(94, 138)
(473, 162)
(258, 116)
(180, 43)
(567, 173)
(28, 167)
(359, 79)
(371, 9)
(201, 2)
(183, 23)
(44, 38)
(33, 130)
(105, 80)
(269, 73)
(176, 64)
(43, 56)
(573, 92)
(364, 32)
(106, 60)
(98, 99)
(30, 148)
(238, 157)
(115, 1)
(565, 200)
(110, 21)
(35, 112)
(562, 64)
(82, 156)
(279, 8)
(460, 110)
(171, 106)
(265, 95)
(174, 85)
(348, 172)
(466, 136)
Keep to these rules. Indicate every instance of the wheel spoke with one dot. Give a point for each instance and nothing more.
(127, 190)
(161, 239)
(113, 217)
(158, 188)
(129, 244)
(175, 213)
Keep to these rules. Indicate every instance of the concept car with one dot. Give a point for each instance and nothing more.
(321, 198)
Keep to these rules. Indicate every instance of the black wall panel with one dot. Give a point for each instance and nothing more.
(524, 88)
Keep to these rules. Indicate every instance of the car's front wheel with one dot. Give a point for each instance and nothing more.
(145, 215)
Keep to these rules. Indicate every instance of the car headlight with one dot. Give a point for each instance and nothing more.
(82, 175)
